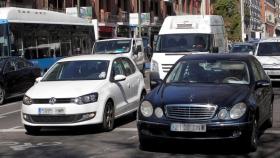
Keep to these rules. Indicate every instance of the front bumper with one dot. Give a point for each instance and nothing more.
(213, 131)
(75, 115)
(273, 73)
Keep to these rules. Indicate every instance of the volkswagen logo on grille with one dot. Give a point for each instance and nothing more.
(52, 100)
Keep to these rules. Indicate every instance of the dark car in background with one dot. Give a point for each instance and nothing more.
(242, 48)
(208, 97)
(17, 76)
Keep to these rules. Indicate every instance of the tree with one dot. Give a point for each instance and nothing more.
(230, 10)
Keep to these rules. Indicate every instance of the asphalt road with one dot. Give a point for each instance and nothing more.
(122, 142)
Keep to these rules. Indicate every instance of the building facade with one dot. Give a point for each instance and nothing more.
(120, 17)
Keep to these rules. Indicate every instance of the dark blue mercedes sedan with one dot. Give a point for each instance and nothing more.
(208, 96)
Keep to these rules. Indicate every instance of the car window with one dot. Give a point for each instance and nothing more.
(78, 70)
(128, 66)
(210, 71)
(10, 66)
(255, 71)
(269, 49)
(262, 73)
(117, 68)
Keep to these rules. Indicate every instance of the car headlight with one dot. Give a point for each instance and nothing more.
(154, 66)
(237, 111)
(85, 99)
(27, 100)
(146, 109)
(223, 114)
(158, 112)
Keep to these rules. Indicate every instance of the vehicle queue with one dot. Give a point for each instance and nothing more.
(205, 96)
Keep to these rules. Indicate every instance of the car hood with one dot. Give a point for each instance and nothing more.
(269, 61)
(221, 95)
(64, 89)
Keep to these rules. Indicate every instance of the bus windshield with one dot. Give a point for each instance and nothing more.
(3, 40)
(112, 46)
(183, 43)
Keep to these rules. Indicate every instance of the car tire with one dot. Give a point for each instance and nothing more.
(108, 117)
(146, 143)
(252, 139)
(2, 95)
(32, 130)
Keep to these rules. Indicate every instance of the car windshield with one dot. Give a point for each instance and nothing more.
(269, 49)
(78, 70)
(112, 46)
(183, 43)
(213, 72)
(241, 48)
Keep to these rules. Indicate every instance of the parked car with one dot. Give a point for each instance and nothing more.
(268, 53)
(208, 96)
(243, 48)
(84, 90)
(130, 47)
(17, 76)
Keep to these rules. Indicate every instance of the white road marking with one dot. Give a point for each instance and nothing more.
(272, 131)
(2, 117)
(12, 130)
(11, 112)
(125, 129)
(15, 103)
(131, 138)
(16, 127)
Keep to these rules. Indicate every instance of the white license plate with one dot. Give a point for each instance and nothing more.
(180, 127)
(51, 111)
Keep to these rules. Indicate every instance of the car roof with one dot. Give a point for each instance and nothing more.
(226, 56)
(275, 39)
(242, 43)
(120, 38)
(93, 57)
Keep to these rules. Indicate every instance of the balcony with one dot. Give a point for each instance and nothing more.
(107, 17)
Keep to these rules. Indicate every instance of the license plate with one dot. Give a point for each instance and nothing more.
(179, 127)
(51, 111)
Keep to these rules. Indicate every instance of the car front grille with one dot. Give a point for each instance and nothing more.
(47, 101)
(46, 119)
(191, 111)
(166, 67)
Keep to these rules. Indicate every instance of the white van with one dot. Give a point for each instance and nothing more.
(130, 47)
(268, 53)
(186, 34)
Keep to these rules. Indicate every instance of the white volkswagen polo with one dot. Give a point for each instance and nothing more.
(83, 90)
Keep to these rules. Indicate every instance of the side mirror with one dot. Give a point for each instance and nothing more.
(251, 52)
(215, 50)
(155, 83)
(119, 78)
(262, 83)
(37, 80)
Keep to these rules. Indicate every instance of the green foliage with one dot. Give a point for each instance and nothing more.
(229, 9)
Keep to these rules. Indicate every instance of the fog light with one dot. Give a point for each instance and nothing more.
(92, 115)
(158, 112)
(24, 116)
